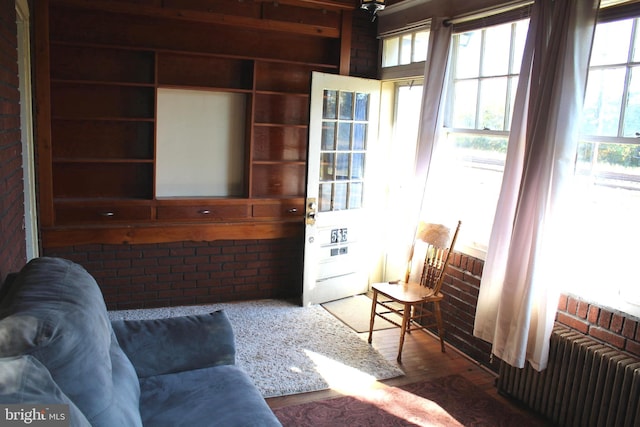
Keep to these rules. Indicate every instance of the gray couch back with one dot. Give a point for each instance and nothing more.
(55, 333)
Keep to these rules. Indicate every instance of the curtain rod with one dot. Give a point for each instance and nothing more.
(487, 12)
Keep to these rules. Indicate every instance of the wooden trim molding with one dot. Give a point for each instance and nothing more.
(166, 233)
(207, 18)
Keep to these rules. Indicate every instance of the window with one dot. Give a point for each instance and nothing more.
(405, 48)
(607, 198)
(404, 54)
(483, 79)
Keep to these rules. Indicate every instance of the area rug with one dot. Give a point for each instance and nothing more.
(286, 348)
(355, 312)
(446, 401)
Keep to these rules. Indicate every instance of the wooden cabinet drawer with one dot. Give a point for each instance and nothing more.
(203, 212)
(283, 209)
(100, 214)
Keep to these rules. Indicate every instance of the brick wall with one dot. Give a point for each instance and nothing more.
(616, 329)
(461, 288)
(12, 235)
(185, 273)
(364, 46)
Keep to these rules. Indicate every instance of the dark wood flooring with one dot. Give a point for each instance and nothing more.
(421, 360)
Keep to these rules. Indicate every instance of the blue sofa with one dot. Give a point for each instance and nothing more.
(57, 346)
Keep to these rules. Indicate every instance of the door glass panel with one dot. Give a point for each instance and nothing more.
(342, 166)
(328, 136)
(324, 198)
(326, 167)
(362, 107)
(344, 136)
(330, 101)
(359, 136)
(357, 166)
(355, 195)
(340, 197)
(343, 150)
(346, 106)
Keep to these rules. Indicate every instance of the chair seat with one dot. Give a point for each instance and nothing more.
(407, 293)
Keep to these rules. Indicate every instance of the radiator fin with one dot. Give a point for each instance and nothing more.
(586, 383)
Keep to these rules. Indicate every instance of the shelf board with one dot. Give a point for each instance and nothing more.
(204, 88)
(281, 125)
(279, 162)
(100, 160)
(103, 83)
(110, 119)
(282, 93)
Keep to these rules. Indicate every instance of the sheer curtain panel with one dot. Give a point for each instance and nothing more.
(519, 287)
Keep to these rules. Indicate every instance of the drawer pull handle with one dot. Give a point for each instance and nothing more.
(293, 210)
(204, 212)
(107, 214)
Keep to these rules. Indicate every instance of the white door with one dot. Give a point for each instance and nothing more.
(341, 194)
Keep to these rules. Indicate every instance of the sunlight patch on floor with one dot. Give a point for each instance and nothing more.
(401, 404)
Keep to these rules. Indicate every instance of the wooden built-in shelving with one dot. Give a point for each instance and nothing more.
(97, 142)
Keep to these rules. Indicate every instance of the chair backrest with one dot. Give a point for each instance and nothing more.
(436, 244)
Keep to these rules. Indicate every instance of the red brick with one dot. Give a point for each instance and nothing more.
(562, 302)
(605, 318)
(594, 313)
(616, 323)
(583, 309)
(573, 322)
(633, 347)
(572, 305)
(607, 336)
(629, 328)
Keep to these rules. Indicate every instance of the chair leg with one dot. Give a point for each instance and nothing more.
(405, 322)
(373, 314)
(436, 310)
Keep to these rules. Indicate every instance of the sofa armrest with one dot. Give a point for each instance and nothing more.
(176, 344)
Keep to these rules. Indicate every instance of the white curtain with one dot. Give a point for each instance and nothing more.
(431, 131)
(433, 97)
(519, 292)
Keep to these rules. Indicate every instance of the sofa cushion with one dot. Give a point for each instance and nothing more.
(222, 395)
(24, 379)
(55, 312)
(175, 344)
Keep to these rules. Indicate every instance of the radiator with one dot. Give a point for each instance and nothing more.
(586, 383)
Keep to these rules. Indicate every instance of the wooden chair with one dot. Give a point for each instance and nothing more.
(410, 299)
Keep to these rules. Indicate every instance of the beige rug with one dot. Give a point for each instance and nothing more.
(355, 312)
(288, 349)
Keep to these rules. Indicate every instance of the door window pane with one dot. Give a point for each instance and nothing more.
(342, 166)
(340, 197)
(346, 106)
(355, 195)
(324, 197)
(359, 136)
(342, 156)
(357, 166)
(328, 136)
(327, 167)
(330, 102)
(344, 136)
(362, 107)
